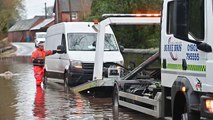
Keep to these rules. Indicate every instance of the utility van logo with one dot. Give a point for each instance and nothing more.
(192, 52)
(198, 85)
(173, 48)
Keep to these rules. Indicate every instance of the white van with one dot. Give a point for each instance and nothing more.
(39, 37)
(77, 41)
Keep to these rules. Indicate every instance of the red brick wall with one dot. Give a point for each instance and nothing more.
(66, 17)
(24, 36)
(21, 36)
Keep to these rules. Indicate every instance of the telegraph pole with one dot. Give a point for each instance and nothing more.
(57, 11)
(70, 9)
(45, 7)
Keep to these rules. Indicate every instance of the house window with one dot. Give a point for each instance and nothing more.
(74, 15)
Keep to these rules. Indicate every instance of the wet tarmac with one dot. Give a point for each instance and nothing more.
(20, 99)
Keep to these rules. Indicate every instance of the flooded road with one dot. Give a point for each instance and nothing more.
(20, 99)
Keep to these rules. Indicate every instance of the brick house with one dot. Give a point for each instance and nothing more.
(24, 30)
(80, 9)
(20, 32)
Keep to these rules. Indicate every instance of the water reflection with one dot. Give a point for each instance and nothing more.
(20, 87)
(7, 95)
(78, 105)
(39, 103)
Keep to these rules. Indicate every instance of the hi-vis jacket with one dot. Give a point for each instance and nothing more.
(38, 56)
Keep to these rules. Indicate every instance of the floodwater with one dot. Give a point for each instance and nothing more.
(20, 99)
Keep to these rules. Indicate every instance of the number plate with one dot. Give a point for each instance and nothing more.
(113, 72)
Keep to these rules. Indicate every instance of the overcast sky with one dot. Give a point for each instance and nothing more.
(36, 7)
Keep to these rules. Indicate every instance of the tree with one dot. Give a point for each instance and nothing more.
(10, 11)
(148, 36)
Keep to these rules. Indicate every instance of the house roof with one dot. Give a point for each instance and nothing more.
(43, 24)
(23, 25)
(64, 5)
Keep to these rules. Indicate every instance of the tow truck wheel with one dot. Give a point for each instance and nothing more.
(182, 111)
(115, 96)
(184, 116)
(190, 115)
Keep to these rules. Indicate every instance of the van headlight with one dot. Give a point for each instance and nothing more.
(76, 64)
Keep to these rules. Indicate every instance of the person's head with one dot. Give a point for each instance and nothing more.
(41, 45)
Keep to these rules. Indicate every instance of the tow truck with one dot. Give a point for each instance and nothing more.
(175, 82)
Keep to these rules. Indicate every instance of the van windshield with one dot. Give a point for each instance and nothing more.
(87, 42)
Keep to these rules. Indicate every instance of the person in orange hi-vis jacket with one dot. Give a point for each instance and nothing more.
(38, 59)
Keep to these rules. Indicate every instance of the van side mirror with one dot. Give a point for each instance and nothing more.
(94, 44)
(121, 48)
(204, 47)
(62, 49)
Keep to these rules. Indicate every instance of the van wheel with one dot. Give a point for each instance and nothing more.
(66, 82)
(115, 96)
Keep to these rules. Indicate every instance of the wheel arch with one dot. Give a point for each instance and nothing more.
(181, 98)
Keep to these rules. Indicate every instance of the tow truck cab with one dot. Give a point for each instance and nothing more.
(186, 60)
(186, 56)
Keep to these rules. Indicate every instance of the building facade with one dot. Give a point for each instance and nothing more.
(71, 10)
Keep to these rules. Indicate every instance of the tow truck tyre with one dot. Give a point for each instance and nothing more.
(190, 115)
(184, 113)
(115, 96)
(184, 116)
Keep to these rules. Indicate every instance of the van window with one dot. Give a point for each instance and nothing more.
(87, 42)
(63, 41)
